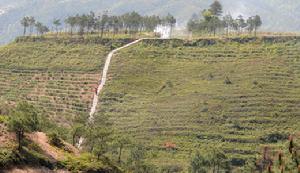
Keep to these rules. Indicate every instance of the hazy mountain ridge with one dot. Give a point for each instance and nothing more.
(278, 15)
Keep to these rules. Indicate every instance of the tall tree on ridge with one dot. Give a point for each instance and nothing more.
(71, 21)
(216, 8)
(250, 24)
(103, 23)
(241, 24)
(25, 24)
(257, 23)
(91, 21)
(171, 21)
(39, 28)
(228, 23)
(56, 23)
(31, 22)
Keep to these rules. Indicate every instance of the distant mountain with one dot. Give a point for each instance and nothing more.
(278, 15)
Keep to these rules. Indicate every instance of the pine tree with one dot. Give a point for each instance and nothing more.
(216, 8)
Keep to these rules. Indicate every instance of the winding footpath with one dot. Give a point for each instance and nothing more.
(102, 83)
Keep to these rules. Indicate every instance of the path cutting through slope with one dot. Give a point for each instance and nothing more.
(102, 83)
(104, 78)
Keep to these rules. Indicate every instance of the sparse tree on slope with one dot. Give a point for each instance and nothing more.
(216, 161)
(137, 159)
(77, 128)
(24, 118)
(98, 135)
(101, 140)
(121, 143)
(199, 164)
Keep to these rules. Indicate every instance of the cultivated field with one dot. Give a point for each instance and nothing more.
(58, 75)
(236, 95)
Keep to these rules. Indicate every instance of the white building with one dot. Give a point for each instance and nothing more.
(163, 31)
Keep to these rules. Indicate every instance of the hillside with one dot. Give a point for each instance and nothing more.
(58, 75)
(236, 95)
(278, 15)
(40, 155)
(169, 98)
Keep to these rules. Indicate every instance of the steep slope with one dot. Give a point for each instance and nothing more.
(278, 15)
(39, 155)
(205, 94)
(58, 76)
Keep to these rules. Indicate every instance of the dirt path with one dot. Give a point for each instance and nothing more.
(53, 153)
(102, 83)
(42, 140)
(104, 78)
(26, 169)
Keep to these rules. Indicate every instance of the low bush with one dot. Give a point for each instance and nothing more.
(3, 119)
(87, 163)
(55, 140)
(31, 157)
(237, 162)
(171, 169)
(7, 157)
(4, 108)
(274, 137)
(227, 81)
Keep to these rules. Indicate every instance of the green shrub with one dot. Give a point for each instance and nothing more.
(4, 108)
(238, 162)
(3, 119)
(35, 158)
(274, 137)
(227, 81)
(7, 157)
(85, 162)
(55, 140)
(171, 169)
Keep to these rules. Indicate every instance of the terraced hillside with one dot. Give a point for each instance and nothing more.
(58, 75)
(236, 95)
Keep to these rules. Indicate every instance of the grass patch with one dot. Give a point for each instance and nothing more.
(48, 55)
